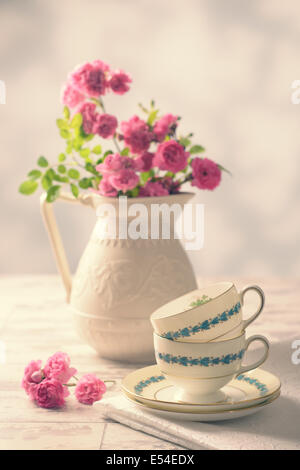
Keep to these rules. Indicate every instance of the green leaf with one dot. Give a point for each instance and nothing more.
(85, 183)
(64, 133)
(66, 112)
(108, 152)
(62, 124)
(152, 117)
(196, 149)
(134, 192)
(28, 187)
(35, 174)
(48, 178)
(224, 169)
(53, 193)
(61, 169)
(61, 179)
(125, 152)
(145, 110)
(76, 121)
(185, 141)
(97, 150)
(69, 147)
(84, 152)
(42, 162)
(61, 157)
(74, 189)
(88, 137)
(50, 172)
(90, 168)
(78, 142)
(145, 176)
(46, 182)
(73, 173)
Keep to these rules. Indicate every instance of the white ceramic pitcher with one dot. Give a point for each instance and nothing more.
(120, 282)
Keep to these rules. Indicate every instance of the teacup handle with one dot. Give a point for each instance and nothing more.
(256, 364)
(260, 308)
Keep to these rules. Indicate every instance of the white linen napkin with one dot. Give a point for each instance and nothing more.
(275, 427)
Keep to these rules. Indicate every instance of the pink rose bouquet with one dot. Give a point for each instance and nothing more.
(49, 386)
(146, 155)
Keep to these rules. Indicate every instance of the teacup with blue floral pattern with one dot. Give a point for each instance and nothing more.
(207, 314)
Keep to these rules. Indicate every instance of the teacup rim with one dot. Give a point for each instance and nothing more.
(206, 343)
(230, 283)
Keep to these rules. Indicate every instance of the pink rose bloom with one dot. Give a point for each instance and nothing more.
(163, 126)
(144, 161)
(106, 189)
(137, 135)
(91, 78)
(119, 82)
(105, 125)
(153, 188)
(115, 162)
(32, 376)
(58, 367)
(171, 156)
(50, 394)
(124, 180)
(89, 116)
(89, 389)
(206, 173)
(71, 97)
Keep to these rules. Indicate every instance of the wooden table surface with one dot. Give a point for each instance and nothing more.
(35, 323)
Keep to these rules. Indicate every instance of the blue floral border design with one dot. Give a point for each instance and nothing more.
(252, 381)
(201, 361)
(203, 326)
(140, 386)
(144, 383)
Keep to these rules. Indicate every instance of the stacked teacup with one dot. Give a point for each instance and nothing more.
(200, 340)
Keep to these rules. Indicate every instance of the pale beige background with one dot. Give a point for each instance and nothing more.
(225, 66)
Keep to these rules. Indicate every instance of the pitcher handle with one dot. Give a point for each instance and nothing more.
(55, 239)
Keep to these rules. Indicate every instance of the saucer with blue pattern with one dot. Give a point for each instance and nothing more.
(148, 386)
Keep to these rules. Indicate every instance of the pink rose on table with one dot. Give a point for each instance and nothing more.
(153, 188)
(144, 161)
(71, 97)
(163, 126)
(171, 156)
(106, 189)
(58, 367)
(89, 115)
(50, 394)
(32, 376)
(137, 135)
(91, 78)
(89, 389)
(206, 173)
(119, 82)
(124, 180)
(105, 125)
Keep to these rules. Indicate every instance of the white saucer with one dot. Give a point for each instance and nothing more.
(149, 387)
(221, 415)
